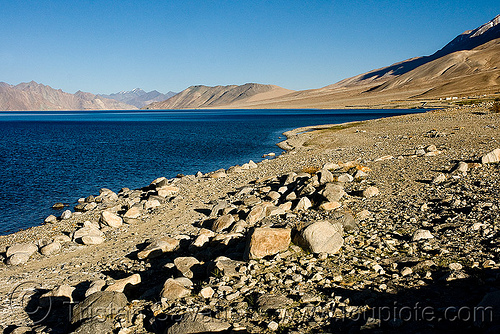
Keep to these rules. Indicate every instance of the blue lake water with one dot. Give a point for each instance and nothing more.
(48, 157)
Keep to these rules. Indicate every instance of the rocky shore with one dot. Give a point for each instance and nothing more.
(389, 225)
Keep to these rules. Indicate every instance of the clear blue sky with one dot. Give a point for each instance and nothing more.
(107, 46)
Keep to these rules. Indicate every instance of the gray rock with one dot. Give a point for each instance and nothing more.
(66, 215)
(26, 248)
(50, 219)
(96, 325)
(321, 237)
(273, 302)
(99, 305)
(198, 323)
(333, 192)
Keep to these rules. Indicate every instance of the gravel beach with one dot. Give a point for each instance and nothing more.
(387, 225)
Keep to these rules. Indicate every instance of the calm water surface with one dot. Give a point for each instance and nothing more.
(48, 157)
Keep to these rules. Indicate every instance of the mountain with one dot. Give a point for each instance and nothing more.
(232, 96)
(138, 97)
(468, 66)
(35, 96)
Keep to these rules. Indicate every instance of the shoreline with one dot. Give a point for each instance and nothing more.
(397, 158)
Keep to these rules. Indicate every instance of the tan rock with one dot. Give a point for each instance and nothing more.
(95, 286)
(92, 240)
(328, 206)
(222, 223)
(134, 212)
(321, 237)
(173, 290)
(184, 265)
(168, 191)
(491, 157)
(158, 247)
(266, 241)
(207, 292)
(120, 285)
(303, 204)
(51, 248)
(370, 192)
(110, 219)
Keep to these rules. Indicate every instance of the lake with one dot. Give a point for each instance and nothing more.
(60, 156)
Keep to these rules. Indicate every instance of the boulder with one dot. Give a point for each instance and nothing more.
(198, 323)
(173, 290)
(333, 192)
(222, 223)
(184, 264)
(422, 235)
(491, 157)
(50, 219)
(18, 258)
(99, 305)
(63, 293)
(120, 284)
(66, 215)
(345, 178)
(110, 219)
(370, 192)
(26, 248)
(157, 247)
(325, 176)
(167, 191)
(328, 206)
(267, 241)
(133, 213)
(92, 240)
(218, 174)
(303, 204)
(321, 237)
(51, 248)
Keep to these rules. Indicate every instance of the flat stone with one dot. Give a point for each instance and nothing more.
(151, 204)
(134, 212)
(26, 248)
(198, 323)
(273, 302)
(329, 206)
(62, 293)
(266, 241)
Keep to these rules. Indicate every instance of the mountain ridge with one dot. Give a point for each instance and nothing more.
(35, 96)
(230, 96)
(138, 97)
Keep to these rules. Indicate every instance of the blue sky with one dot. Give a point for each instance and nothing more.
(108, 46)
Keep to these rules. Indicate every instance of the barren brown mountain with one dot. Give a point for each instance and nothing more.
(34, 96)
(467, 67)
(232, 96)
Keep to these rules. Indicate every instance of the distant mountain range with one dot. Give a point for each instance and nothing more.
(233, 96)
(139, 98)
(35, 96)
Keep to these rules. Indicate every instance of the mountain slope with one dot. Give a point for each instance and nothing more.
(232, 96)
(138, 97)
(468, 65)
(34, 96)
